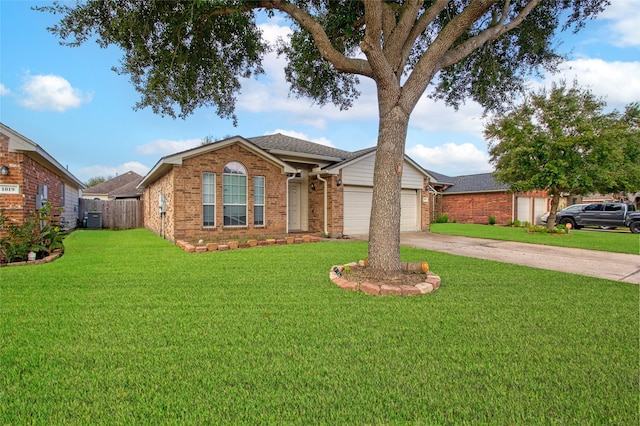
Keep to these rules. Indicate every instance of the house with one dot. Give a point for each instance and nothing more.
(271, 185)
(475, 198)
(29, 177)
(124, 186)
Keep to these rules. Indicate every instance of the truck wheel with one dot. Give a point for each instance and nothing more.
(635, 227)
(567, 220)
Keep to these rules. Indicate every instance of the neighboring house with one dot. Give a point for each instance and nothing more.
(29, 177)
(124, 186)
(271, 185)
(475, 198)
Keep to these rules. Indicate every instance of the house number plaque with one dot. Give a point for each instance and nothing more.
(9, 189)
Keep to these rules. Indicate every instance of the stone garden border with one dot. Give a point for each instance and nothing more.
(53, 256)
(234, 245)
(431, 281)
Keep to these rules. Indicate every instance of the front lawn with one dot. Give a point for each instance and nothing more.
(126, 328)
(617, 242)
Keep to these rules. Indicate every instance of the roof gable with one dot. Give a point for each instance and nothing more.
(115, 184)
(20, 143)
(169, 161)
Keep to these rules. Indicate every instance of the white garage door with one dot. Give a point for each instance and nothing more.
(525, 212)
(357, 209)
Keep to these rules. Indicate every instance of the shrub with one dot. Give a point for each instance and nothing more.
(40, 233)
(539, 229)
(492, 220)
(444, 218)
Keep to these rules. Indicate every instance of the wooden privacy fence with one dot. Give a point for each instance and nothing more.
(116, 214)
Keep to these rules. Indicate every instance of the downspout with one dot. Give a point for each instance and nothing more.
(325, 203)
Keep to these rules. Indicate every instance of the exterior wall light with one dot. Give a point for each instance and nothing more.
(312, 186)
(4, 170)
(339, 182)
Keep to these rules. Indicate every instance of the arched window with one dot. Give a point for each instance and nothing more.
(234, 194)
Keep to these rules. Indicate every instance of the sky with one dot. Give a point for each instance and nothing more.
(71, 103)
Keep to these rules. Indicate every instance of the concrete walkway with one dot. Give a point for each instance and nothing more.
(600, 264)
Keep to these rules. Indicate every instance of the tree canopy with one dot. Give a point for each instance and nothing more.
(183, 54)
(562, 140)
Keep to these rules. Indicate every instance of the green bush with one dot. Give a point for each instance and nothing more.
(41, 233)
(539, 229)
(444, 218)
(492, 220)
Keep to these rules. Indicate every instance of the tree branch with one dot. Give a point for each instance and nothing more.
(489, 34)
(339, 60)
(432, 60)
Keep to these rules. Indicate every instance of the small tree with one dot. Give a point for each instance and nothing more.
(96, 180)
(562, 141)
(190, 54)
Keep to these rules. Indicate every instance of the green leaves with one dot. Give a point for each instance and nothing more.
(562, 141)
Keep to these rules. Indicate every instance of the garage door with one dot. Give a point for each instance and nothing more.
(357, 209)
(524, 213)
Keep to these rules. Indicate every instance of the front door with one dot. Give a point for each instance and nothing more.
(294, 205)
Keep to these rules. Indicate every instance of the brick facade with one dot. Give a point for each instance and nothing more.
(27, 173)
(478, 207)
(182, 189)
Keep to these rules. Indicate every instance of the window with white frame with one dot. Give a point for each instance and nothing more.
(258, 201)
(209, 199)
(234, 194)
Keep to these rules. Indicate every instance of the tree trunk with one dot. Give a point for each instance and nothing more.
(555, 201)
(384, 227)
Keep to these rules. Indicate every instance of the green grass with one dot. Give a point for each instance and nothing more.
(125, 328)
(617, 242)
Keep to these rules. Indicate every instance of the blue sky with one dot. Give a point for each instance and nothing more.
(69, 101)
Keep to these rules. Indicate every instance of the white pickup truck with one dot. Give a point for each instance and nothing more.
(601, 214)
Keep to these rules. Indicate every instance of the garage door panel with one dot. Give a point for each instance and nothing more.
(357, 210)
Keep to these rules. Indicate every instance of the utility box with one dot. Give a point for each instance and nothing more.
(93, 220)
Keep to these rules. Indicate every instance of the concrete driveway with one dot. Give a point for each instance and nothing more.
(600, 264)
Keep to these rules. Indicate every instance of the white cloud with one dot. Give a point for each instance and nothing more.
(616, 81)
(270, 93)
(451, 159)
(432, 116)
(51, 92)
(625, 17)
(303, 136)
(3, 90)
(98, 170)
(165, 146)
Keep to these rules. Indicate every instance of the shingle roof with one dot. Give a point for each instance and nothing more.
(115, 185)
(441, 178)
(280, 142)
(483, 182)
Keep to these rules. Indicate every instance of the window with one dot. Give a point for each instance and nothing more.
(208, 199)
(234, 194)
(593, 208)
(258, 201)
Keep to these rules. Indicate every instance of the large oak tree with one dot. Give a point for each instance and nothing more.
(182, 55)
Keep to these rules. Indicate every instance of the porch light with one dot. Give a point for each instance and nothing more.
(339, 182)
(312, 186)
(4, 170)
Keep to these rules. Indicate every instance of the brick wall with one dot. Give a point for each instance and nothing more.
(183, 220)
(425, 207)
(27, 173)
(476, 208)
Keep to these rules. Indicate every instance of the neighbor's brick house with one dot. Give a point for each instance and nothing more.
(271, 186)
(30, 177)
(475, 198)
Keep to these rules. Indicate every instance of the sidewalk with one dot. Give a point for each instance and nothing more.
(610, 266)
